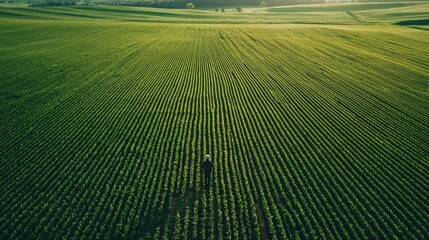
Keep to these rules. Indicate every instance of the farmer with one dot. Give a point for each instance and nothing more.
(207, 167)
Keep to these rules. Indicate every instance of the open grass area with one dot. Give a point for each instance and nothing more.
(341, 7)
(315, 130)
(341, 14)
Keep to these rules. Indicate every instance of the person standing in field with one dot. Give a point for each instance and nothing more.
(207, 167)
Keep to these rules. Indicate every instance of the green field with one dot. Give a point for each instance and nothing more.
(342, 7)
(318, 130)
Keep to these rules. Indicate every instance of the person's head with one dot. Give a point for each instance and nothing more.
(207, 157)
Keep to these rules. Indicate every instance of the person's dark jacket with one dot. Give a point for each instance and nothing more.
(207, 167)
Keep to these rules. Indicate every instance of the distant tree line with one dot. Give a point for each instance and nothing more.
(222, 3)
(53, 3)
(196, 3)
(186, 3)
